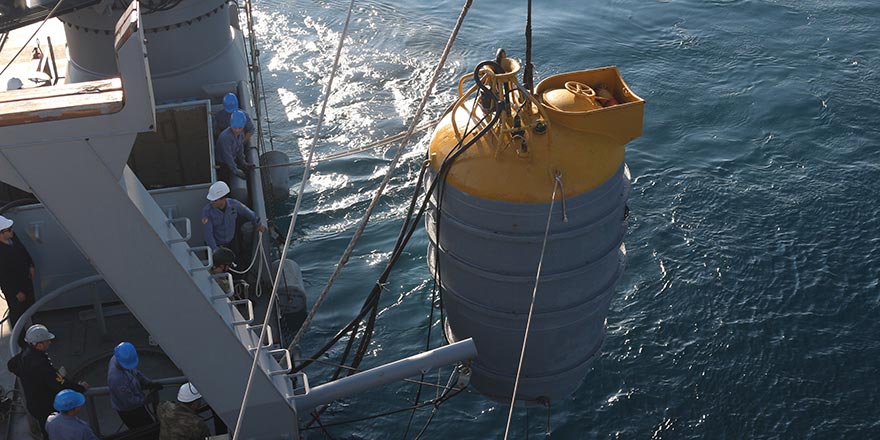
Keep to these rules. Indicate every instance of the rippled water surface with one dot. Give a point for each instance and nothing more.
(749, 307)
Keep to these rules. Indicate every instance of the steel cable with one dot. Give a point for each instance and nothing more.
(290, 228)
(363, 223)
(52, 12)
(556, 183)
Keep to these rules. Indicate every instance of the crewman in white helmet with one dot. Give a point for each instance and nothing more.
(39, 378)
(220, 219)
(179, 420)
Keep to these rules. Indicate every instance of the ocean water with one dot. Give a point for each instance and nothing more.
(749, 306)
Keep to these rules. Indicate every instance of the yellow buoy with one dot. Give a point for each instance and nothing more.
(566, 133)
(501, 153)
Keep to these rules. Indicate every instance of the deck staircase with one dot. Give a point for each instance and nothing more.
(72, 152)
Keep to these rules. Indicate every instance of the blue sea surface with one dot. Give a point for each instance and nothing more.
(749, 306)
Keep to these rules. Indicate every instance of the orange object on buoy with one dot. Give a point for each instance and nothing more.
(605, 97)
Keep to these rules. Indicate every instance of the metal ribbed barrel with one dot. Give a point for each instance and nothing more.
(192, 51)
(486, 266)
(278, 175)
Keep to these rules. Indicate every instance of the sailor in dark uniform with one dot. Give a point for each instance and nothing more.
(39, 378)
(16, 272)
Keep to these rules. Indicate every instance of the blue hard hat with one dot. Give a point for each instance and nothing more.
(126, 355)
(67, 400)
(230, 102)
(238, 119)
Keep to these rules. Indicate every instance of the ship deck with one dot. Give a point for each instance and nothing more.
(84, 341)
(84, 349)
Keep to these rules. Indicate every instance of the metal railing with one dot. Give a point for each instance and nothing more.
(93, 392)
(26, 316)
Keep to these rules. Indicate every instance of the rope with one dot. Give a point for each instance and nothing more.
(290, 228)
(448, 394)
(323, 428)
(548, 431)
(558, 180)
(373, 297)
(263, 263)
(353, 151)
(363, 223)
(435, 290)
(436, 407)
(52, 12)
(254, 259)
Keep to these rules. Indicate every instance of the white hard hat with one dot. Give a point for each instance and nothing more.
(218, 190)
(13, 84)
(188, 393)
(37, 333)
(5, 223)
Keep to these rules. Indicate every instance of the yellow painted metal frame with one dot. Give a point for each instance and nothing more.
(518, 164)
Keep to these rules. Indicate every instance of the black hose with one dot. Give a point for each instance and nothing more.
(376, 292)
(487, 96)
(371, 303)
(372, 298)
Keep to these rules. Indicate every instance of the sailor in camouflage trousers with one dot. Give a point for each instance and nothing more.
(178, 420)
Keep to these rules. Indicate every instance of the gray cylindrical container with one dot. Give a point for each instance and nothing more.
(238, 188)
(192, 51)
(279, 177)
(291, 291)
(488, 256)
(291, 295)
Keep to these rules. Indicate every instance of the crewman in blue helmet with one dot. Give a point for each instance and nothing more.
(126, 385)
(65, 425)
(229, 149)
(222, 116)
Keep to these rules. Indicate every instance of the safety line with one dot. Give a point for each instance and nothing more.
(294, 214)
(391, 168)
(254, 259)
(350, 152)
(557, 182)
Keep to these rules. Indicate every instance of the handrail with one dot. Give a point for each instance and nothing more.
(187, 227)
(207, 265)
(93, 392)
(103, 391)
(226, 295)
(250, 312)
(25, 317)
(270, 338)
